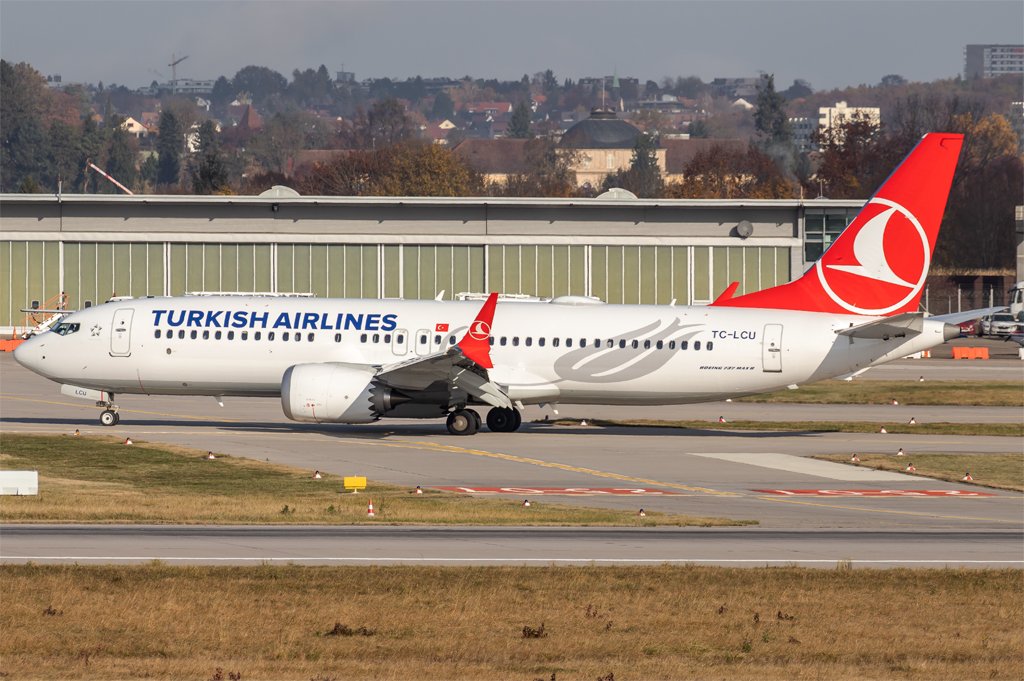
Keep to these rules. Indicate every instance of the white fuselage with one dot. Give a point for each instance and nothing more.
(542, 352)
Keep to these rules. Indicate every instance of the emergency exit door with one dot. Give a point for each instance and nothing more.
(121, 333)
(771, 348)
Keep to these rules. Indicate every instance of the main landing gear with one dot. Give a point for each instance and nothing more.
(109, 415)
(467, 421)
(501, 420)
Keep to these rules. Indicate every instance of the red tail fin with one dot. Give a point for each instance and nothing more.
(476, 344)
(879, 264)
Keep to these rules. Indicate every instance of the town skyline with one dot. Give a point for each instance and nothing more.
(919, 40)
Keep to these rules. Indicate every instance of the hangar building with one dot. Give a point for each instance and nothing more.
(622, 251)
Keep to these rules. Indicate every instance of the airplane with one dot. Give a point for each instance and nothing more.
(356, 361)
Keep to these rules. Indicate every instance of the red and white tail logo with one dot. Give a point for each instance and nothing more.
(879, 264)
(476, 344)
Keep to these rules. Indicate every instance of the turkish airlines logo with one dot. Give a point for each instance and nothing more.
(480, 330)
(872, 280)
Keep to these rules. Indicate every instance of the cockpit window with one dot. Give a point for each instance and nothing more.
(65, 328)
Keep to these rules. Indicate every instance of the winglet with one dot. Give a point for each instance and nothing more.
(728, 293)
(476, 344)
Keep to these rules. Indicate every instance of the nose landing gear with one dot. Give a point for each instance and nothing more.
(109, 415)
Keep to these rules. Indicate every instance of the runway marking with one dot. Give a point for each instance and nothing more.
(877, 492)
(886, 510)
(565, 467)
(563, 491)
(421, 559)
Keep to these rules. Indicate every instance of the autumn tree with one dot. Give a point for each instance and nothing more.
(260, 83)
(383, 125)
(725, 171)
(275, 145)
(549, 172)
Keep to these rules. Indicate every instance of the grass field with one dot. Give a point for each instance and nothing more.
(996, 429)
(975, 393)
(1003, 471)
(305, 623)
(100, 480)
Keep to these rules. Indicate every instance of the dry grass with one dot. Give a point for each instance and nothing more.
(100, 480)
(941, 428)
(471, 623)
(977, 393)
(1002, 471)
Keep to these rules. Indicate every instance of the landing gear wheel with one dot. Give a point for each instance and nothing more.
(501, 420)
(476, 417)
(462, 423)
(109, 417)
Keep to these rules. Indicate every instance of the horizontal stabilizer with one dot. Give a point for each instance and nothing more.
(901, 325)
(967, 315)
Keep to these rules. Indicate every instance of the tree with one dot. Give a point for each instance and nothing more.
(260, 82)
(799, 88)
(384, 125)
(443, 107)
(549, 172)
(893, 79)
(770, 118)
(643, 177)
(223, 93)
(519, 126)
(169, 148)
(727, 171)
(121, 160)
(277, 143)
(404, 169)
(208, 168)
(23, 104)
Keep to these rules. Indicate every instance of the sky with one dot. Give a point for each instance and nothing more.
(828, 43)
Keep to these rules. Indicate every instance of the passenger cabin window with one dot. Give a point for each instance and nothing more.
(400, 339)
(709, 345)
(156, 334)
(437, 339)
(504, 340)
(231, 335)
(647, 345)
(540, 342)
(529, 341)
(423, 339)
(286, 336)
(68, 328)
(206, 334)
(451, 340)
(568, 342)
(696, 345)
(216, 335)
(554, 342)
(245, 335)
(683, 344)
(194, 334)
(635, 344)
(376, 338)
(515, 340)
(660, 345)
(181, 333)
(270, 336)
(622, 343)
(256, 335)
(671, 345)
(337, 338)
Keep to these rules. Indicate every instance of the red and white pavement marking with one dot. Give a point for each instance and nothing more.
(876, 492)
(563, 491)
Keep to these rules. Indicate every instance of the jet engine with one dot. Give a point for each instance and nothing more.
(334, 392)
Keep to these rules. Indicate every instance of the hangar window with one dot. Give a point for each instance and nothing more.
(286, 336)
(66, 328)
(216, 335)
(683, 344)
(337, 338)
(710, 345)
(181, 333)
(696, 345)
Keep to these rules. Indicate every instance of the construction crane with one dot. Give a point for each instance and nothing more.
(174, 71)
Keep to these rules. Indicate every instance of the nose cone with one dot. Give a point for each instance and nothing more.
(29, 354)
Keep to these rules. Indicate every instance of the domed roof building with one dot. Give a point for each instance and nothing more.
(604, 144)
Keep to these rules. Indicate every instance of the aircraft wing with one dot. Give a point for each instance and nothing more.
(901, 325)
(461, 367)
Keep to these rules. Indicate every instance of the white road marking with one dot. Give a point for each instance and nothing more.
(807, 466)
(420, 559)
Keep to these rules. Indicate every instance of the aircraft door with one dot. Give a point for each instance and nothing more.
(423, 342)
(121, 333)
(771, 348)
(399, 342)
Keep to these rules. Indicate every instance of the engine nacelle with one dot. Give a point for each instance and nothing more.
(333, 392)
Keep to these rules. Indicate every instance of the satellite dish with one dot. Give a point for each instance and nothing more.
(744, 229)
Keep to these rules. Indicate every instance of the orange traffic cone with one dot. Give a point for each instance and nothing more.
(721, 419)
(78, 433)
(912, 421)
(901, 452)
(128, 441)
(911, 468)
(642, 514)
(967, 477)
(526, 503)
(855, 458)
(895, 402)
(369, 509)
(882, 430)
